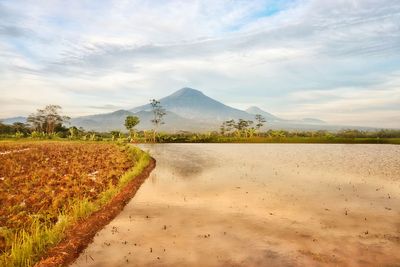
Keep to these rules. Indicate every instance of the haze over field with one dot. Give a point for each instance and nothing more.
(189, 109)
(300, 60)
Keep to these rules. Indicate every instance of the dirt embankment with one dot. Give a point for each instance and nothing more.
(82, 233)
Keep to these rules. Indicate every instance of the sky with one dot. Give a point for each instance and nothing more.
(336, 60)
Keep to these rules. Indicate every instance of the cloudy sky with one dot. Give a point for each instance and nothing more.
(330, 59)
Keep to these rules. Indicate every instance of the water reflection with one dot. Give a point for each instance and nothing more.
(181, 160)
(266, 205)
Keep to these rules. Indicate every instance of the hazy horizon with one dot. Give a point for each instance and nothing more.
(338, 61)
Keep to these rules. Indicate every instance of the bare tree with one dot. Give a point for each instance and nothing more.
(260, 121)
(158, 115)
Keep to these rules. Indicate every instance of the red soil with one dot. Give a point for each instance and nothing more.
(79, 236)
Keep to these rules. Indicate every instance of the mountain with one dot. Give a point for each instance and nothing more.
(190, 110)
(13, 120)
(272, 118)
(102, 122)
(187, 109)
(193, 104)
(268, 116)
(115, 121)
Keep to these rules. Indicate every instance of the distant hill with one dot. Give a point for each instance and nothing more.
(190, 110)
(115, 121)
(272, 118)
(102, 122)
(14, 120)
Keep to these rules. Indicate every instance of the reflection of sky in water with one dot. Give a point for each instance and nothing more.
(248, 204)
(183, 162)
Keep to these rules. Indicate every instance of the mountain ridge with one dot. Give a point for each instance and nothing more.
(190, 109)
(194, 104)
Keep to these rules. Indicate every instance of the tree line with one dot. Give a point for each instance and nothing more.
(48, 123)
(242, 127)
(158, 119)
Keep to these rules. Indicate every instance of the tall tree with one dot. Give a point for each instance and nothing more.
(241, 127)
(227, 126)
(47, 119)
(158, 115)
(230, 125)
(260, 121)
(21, 127)
(130, 123)
(37, 120)
(243, 124)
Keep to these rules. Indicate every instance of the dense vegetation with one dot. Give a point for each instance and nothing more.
(23, 131)
(47, 123)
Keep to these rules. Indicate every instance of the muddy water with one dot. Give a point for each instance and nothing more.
(259, 205)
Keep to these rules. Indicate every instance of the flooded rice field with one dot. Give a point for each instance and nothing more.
(259, 205)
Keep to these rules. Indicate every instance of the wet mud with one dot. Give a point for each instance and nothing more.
(259, 205)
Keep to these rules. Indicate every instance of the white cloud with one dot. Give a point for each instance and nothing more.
(309, 58)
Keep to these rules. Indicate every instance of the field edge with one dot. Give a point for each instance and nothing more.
(81, 233)
(54, 245)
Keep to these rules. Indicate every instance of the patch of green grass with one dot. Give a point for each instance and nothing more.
(29, 245)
